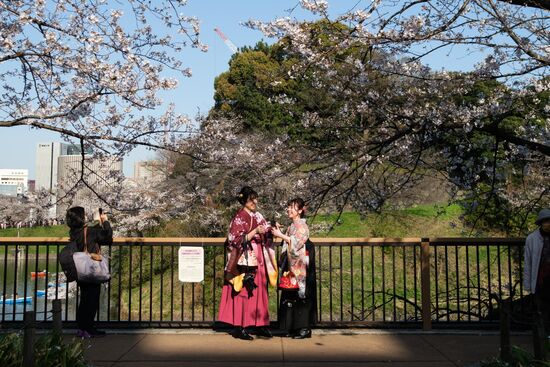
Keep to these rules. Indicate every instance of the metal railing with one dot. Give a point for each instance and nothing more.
(362, 282)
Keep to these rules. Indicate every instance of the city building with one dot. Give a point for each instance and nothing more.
(47, 156)
(14, 182)
(46, 164)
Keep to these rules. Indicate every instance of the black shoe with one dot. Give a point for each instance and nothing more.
(263, 331)
(94, 333)
(302, 334)
(240, 333)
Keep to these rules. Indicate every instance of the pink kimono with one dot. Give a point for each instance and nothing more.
(249, 308)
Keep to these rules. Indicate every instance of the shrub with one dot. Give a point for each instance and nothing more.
(520, 358)
(49, 349)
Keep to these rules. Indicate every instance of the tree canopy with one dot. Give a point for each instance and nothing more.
(92, 70)
(342, 110)
(391, 119)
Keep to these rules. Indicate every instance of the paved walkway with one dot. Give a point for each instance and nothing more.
(348, 348)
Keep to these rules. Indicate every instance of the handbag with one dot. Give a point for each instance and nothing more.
(91, 267)
(288, 282)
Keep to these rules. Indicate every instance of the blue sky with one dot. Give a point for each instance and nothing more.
(18, 144)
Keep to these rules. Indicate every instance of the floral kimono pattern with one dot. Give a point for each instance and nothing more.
(245, 307)
(242, 224)
(296, 252)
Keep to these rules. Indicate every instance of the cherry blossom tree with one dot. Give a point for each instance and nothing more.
(485, 130)
(92, 70)
(85, 70)
(22, 210)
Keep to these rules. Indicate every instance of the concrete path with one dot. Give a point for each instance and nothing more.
(348, 348)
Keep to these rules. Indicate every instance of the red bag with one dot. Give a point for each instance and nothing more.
(288, 282)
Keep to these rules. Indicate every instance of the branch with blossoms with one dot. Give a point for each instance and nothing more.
(387, 120)
(91, 70)
(512, 39)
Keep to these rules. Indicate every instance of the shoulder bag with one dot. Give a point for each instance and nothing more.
(91, 267)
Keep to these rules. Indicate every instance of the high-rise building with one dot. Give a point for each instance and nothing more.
(46, 164)
(100, 174)
(13, 182)
(47, 155)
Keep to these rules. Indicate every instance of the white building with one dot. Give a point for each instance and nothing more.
(46, 164)
(14, 182)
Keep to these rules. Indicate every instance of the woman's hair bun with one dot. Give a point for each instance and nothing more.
(246, 193)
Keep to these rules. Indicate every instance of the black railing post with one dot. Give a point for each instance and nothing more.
(28, 339)
(505, 347)
(538, 335)
(56, 315)
(425, 284)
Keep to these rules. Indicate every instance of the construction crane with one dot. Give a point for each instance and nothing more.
(226, 40)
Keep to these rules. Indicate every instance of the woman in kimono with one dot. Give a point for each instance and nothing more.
(298, 308)
(250, 265)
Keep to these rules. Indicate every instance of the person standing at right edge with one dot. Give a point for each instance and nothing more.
(536, 273)
(298, 308)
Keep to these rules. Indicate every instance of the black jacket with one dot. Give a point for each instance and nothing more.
(96, 236)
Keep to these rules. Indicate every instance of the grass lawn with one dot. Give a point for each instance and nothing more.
(53, 231)
(431, 220)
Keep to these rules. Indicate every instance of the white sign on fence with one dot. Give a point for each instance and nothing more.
(191, 264)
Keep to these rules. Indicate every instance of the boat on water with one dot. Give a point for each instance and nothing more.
(40, 293)
(19, 300)
(39, 274)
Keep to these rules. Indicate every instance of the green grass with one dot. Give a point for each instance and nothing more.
(53, 231)
(431, 220)
(440, 211)
(428, 220)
